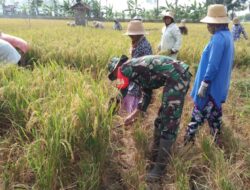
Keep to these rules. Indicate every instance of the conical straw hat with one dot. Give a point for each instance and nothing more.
(236, 20)
(216, 14)
(135, 27)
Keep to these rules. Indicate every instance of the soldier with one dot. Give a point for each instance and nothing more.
(152, 72)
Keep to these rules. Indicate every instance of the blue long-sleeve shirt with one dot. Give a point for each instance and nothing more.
(215, 68)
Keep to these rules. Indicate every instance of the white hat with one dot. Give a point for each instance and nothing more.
(135, 27)
(216, 14)
(168, 14)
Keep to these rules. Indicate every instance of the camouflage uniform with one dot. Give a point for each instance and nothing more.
(155, 71)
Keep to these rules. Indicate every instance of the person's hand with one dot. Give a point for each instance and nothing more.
(203, 89)
(189, 139)
(132, 117)
(159, 48)
(172, 51)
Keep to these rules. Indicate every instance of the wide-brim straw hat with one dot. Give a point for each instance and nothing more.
(168, 14)
(216, 14)
(236, 20)
(135, 27)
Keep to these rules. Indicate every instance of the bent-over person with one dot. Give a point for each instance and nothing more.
(152, 72)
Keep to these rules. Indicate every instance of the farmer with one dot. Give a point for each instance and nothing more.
(213, 76)
(8, 54)
(117, 25)
(238, 29)
(139, 47)
(98, 24)
(20, 45)
(152, 72)
(171, 36)
(182, 27)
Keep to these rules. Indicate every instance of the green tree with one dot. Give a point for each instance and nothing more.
(157, 9)
(95, 8)
(34, 5)
(232, 5)
(108, 12)
(133, 9)
(55, 7)
(193, 12)
(65, 8)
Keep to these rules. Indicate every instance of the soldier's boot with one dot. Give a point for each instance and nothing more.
(162, 157)
(155, 145)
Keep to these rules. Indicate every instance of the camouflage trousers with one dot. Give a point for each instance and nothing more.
(169, 115)
(212, 113)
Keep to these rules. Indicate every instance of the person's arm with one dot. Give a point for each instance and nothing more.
(214, 61)
(147, 50)
(244, 33)
(159, 48)
(177, 35)
(215, 58)
(142, 107)
(145, 100)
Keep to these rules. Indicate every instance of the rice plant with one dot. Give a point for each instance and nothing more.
(56, 131)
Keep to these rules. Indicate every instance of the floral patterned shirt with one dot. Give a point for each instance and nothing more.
(237, 30)
(142, 48)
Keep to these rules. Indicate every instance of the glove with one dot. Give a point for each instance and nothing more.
(203, 89)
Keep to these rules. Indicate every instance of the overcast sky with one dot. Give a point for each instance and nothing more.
(119, 5)
(122, 4)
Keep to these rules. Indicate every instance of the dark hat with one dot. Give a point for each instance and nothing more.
(114, 63)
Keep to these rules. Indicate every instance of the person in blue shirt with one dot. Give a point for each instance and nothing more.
(238, 29)
(212, 79)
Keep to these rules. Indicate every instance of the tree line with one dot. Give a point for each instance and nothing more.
(192, 12)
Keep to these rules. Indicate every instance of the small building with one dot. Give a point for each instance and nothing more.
(80, 9)
(9, 9)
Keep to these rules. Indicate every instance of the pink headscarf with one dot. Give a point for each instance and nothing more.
(15, 42)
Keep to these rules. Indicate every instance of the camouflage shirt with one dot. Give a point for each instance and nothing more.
(152, 72)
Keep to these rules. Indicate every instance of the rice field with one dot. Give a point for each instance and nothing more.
(56, 132)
